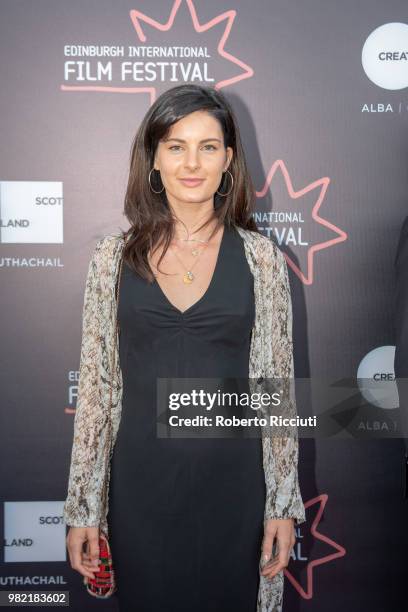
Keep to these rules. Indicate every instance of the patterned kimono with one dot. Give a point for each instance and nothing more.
(100, 391)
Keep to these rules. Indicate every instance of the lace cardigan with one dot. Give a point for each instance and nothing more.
(271, 355)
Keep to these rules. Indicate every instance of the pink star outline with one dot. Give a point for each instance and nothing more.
(137, 18)
(341, 551)
(321, 183)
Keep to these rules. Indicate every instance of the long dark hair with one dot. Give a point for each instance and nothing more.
(148, 213)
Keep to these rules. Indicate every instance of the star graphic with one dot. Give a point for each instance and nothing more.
(340, 550)
(321, 185)
(229, 16)
(138, 19)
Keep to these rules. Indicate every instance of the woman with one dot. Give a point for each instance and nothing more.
(201, 294)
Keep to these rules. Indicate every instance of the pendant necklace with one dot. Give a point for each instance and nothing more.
(188, 277)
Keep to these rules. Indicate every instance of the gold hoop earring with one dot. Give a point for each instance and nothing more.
(232, 185)
(150, 173)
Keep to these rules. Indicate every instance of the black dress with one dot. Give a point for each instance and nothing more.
(185, 515)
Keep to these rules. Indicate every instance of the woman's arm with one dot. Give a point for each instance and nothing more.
(283, 494)
(82, 507)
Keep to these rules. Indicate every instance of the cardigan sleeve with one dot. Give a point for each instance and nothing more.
(283, 493)
(82, 507)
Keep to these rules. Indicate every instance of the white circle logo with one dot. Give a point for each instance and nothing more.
(376, 378)
(385, 56)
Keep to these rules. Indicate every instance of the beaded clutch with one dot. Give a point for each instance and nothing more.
(103, 585)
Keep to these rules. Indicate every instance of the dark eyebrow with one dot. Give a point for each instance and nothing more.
(183, 141)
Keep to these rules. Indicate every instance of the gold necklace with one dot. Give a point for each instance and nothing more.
(188, 277)
(195, 251)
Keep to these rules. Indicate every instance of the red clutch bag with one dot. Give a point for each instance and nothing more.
(103, 585)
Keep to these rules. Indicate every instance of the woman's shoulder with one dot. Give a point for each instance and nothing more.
(109, 240)
(105, 250)
(265, 249)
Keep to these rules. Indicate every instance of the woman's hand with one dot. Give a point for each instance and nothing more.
(86, 563)
(283, 530)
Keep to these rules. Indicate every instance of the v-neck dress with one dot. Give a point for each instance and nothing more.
(185, 514)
